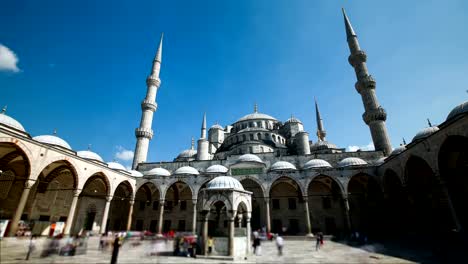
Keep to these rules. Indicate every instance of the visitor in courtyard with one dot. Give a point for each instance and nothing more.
(32, 246)
(210, 244)
(318, 241)
(279, 244)
(256, 243)
(115, 251)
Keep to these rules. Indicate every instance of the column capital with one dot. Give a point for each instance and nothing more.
(76, 192)
(194, 201)
(109, 198)
(28, 184)
(132, 202)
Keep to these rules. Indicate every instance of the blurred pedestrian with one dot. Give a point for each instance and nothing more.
(32, 246)
(318, 241)
(279, 244)
(115, 251)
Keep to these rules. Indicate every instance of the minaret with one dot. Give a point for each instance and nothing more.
(374, 115)
(203, 144)
(321, 133)
(144, 133)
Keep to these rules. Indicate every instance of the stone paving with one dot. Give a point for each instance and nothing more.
(295, 251)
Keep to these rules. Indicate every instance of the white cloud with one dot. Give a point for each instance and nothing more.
(8, 60)
(369, 146)
(123, 154)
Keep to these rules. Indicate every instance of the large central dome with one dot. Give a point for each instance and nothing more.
(256, 116)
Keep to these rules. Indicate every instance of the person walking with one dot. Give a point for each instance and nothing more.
(210, 244)
(31, 247)
(318, 241)
(279, 244)
(115, 251)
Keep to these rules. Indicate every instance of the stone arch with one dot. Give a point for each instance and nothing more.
(20, 145)
(218, 198)
(395, 201)
(326, 205)
(279, 176)
(147, 207)
(171, 182)
(122, 199)
(178, 206)
(258, 198)
(257, 181)
(129, 186)
(97, 175)
(453, 165)
(365, 199)
(48, 161)
(340, 185)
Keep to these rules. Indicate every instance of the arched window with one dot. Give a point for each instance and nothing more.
(259, 136)
(261, 150)
(244, 138)
(251, 136)
(251, 149)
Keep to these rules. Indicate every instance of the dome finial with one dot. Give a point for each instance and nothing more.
(321, 133)
(89, 146)
(404, 141)
(4, 109)
(255, 108)
(429, 122)
(55, 131)
(193, 143)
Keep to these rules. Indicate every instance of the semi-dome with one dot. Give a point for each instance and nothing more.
(424, 133)
(219, 169)
(89, 155)
(224, 182)
(256, 115)
(319, 145)
(282, 165)
(188, 153)
(116, 166)
(398, 150)
(158, 172)
(351, 162)
(187, 170)
(459, 109)
(136, 173)
(11, 122)
(316, 163)
(52, 140)
(216, 126)
(249, 158)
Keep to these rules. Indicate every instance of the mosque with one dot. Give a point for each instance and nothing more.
(258, 172)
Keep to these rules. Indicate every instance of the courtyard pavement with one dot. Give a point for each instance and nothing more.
(13, 250)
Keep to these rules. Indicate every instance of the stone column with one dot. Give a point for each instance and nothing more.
(346, 212)
(71, 214)
(205, 234)
(450, 205)
(267, 209)
(130, 215)
(194, 218)
(19, 210)
(231, 236)
(307, 216)
(239, 220)
(105, 214)
(161, 217)
(249, 232)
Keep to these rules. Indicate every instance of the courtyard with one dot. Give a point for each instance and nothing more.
(296, 250)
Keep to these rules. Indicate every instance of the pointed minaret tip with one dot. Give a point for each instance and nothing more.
(4, 109)
(349, 29)
(193, 143)
(159, 52)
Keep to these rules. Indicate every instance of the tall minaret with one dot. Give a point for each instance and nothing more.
(144, 133)
(321, 133)
(203, 144)
(374, 115)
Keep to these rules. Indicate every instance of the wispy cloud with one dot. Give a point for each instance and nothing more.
(8, 60)
(123, 154)
(369, 146)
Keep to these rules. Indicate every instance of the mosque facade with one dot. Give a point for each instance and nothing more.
(258, 172)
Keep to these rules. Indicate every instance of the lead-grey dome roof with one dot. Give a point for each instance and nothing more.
(188, 153)
(319, 145)
(316, 163)
(11, 122)
(116, 166)
(256, 115)
(398, 150)
(87, 154)
(224, 182)
(459, 109)
(249, 158)
(187, 170)
(136, 173)
(351, 162)
(425, 132)
(219, 169)
(52, 140)
(293, 120)
(216, 126)
(282, 165)
(157, 172)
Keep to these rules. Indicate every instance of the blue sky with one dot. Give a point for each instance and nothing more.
(83, 64)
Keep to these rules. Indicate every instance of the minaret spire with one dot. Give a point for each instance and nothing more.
(203, 144)
(192, 144)
(144, 133)
(321, 133)
(374, 115)
(203, 127)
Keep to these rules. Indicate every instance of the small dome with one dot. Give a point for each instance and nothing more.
(424, 133)
(351, 162)
(11, 122)
(216, 126)
(89, 155)
(188, 153)
(319, 145)
(136, 173)
(459, 109)
(380, 161)
(255, 116)
(187, 170)
(52, 140)
(316, 163)
(219, 169)
(116, 166)
(398, 150)
(249, 158)
(158, 172)
(224, 182)
(293, 120)
(282, 165)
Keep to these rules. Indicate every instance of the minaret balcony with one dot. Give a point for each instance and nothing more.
(378, 114)
(148, 105)
(144, 132)
(357, 57)
(367, 82)
(153, 81)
